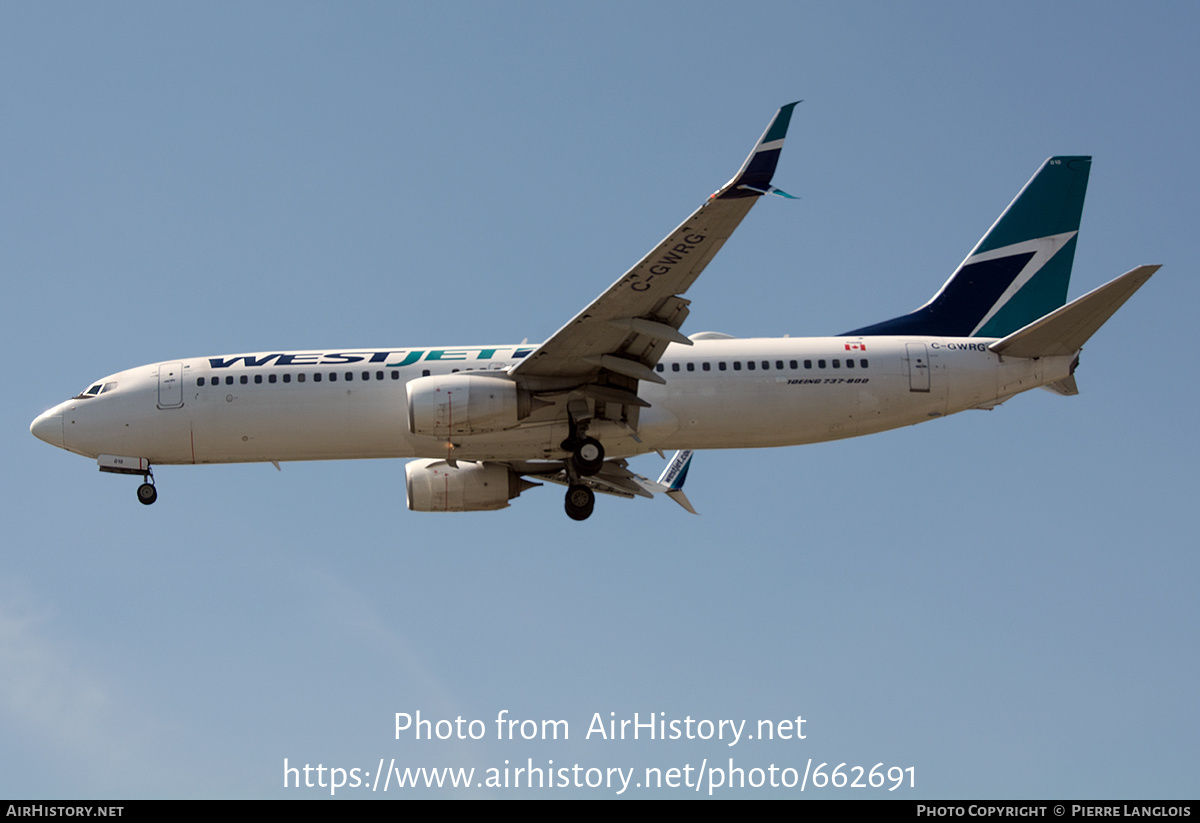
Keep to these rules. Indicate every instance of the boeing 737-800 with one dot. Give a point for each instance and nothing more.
(620, 379)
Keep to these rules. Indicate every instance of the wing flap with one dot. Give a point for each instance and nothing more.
(645, 292)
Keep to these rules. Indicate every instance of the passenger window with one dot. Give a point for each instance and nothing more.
(317, 377)
(850, 364)
(721, 366)
(333, 377)
(395, 374)
(808, 364)
(792, 364)
(659, 367)
(243, 379)
(270, 378)
(862, 363)
(837, 364)
(199, 381)
(749, 365)
(737, 365)
(287, 378)
(674, 367)
(705, 366)
(820, 364)
(258, 378)
(691, 366)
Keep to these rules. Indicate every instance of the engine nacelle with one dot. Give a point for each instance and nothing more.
(448, 404)
(435, 486)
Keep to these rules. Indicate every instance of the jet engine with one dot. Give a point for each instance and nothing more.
(449, 404)
(436, 486)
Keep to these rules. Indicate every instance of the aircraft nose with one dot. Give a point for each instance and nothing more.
(48, 426)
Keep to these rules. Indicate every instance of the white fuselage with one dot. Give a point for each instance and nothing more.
(719, 393)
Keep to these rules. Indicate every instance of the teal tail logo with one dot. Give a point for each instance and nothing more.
(1018, 272)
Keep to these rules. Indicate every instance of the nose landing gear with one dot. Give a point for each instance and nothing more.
(115, 464)
(146, 493)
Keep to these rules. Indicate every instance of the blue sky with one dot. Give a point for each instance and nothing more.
(1003, 600)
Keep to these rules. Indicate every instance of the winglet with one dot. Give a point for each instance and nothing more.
(673, 477)
(754, 177)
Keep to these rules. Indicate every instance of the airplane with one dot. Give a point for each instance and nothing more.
(620, 379)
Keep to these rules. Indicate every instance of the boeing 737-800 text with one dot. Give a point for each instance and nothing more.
(620, 379)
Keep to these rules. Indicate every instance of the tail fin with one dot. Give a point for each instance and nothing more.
(1018, 272)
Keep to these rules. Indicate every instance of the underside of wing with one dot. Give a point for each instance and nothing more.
(614, 478)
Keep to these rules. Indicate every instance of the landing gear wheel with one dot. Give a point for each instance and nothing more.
(588, 457)
(147, 494)
(580, 502)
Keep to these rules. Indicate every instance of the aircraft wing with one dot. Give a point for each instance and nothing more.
(617, 340)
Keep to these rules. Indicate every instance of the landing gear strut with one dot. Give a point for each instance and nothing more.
(586, 460)
(580, 502)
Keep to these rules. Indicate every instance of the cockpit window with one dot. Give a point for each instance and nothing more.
(95, 389)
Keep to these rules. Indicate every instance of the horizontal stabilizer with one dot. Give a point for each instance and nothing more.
(1066, 387)
(1064, 331)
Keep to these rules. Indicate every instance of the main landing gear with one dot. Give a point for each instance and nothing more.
(587, 459)
(580, 502)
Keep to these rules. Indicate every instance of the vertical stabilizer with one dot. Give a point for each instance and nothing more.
(1018, 272)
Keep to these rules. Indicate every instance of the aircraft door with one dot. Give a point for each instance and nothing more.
(170, 385)
(917, 362)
